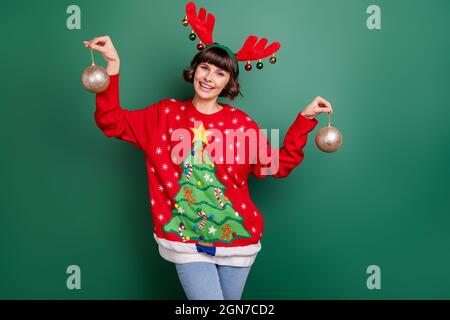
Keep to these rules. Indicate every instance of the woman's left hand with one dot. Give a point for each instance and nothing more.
(317, 106)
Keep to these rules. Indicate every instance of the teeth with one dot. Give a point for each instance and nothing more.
(205, 86)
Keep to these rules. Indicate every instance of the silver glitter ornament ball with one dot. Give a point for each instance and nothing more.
(328, 139)
(95, 79)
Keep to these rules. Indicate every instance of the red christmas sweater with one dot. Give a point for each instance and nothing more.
(198, 166)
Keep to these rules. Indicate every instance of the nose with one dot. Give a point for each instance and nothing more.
(208, 76)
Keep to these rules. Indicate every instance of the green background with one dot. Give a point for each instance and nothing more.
(69, 195)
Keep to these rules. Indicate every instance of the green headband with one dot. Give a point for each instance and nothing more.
(215, 44)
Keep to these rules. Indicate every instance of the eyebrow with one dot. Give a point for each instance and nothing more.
(204, 64)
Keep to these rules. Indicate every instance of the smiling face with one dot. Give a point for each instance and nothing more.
(213, 73)
(209, 81)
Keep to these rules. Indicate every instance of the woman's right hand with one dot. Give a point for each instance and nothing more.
(105, 46)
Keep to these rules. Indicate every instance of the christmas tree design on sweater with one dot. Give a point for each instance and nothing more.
(202, 211)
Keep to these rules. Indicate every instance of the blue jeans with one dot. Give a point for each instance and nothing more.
(208, 281)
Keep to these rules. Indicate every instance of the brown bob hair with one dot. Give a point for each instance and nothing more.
(221, 59)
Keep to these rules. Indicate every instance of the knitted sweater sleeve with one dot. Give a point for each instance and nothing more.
(136, 126)
(279, 162)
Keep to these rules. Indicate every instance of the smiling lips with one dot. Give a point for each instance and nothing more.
(205, 87)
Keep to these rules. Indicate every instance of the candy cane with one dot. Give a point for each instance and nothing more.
(181, 227)
(218, 192)
(188, 176)
(201, 213)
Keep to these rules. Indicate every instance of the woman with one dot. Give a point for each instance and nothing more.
(207, 226)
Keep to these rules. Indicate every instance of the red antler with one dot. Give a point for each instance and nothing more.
(202, 25)
(255, 51)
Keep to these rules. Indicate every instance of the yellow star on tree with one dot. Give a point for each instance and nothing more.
(200, 134)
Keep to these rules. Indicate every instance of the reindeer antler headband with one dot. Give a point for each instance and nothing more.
(203, 26)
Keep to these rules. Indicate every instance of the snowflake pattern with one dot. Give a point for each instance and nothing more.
(229, 169)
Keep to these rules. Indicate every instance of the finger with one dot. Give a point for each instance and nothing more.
(318, 99)
(98, 41)
(325, 104)
(103, 39)
(98, 48)
(88, 44)
(323, 108)
(322, 104)
(330, 108)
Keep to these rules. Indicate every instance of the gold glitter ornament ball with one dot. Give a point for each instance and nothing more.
(329, 139)
(95, 79)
